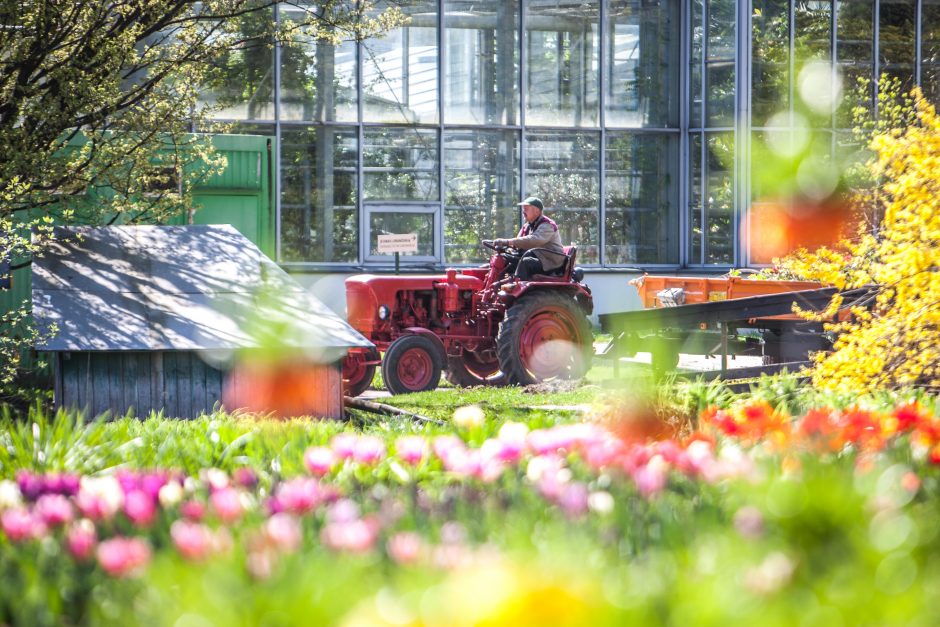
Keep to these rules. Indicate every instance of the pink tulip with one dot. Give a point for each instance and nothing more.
(405, 547)
(193, 540)
(573, 499)
(140, 508)
(344, 445)
(651, 479)
(227, 504)
(283, 532)
(54, 510)
(99, 498)
(298, 496)
(123, 557)
(319, 460)
(20, 525)
(193, 510)
(357, 536)
(343, 511)
(245, 477)
(411, 449)
(369, 450)
(81, 539)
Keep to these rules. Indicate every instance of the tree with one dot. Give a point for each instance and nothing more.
(98, 98)
(896, 342)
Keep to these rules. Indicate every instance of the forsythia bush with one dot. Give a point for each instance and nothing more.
(895, 342)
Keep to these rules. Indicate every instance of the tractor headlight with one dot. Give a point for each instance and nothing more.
(384, 311)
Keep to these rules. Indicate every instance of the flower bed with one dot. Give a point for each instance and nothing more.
(756, 517)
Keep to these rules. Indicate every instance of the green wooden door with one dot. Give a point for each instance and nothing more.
(243, 212)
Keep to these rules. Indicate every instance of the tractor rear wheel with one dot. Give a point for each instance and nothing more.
(469, 370)
(412, 364)
(544, 335)
(357, 375)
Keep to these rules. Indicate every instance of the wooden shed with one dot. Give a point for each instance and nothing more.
(183, 319)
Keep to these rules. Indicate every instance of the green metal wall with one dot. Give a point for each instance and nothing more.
(241, 195)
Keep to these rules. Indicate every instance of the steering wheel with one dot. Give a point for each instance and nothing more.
(491, 244)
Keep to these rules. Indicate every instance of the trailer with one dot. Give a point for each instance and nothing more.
(728, 316)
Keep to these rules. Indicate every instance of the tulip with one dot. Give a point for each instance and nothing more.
(357, 536)
(54, 510)
(193, 510)
(193, 540)
(344, 445)
(319, 460)
(298, 496)
(573, 499)
(405, 547)
(20, 525)
(411, 449)
(245, 477)
(469, 417)
(227, 504)
(123, 557)
(283, 532)
(369, 450)
(170, 494)
(80, 539)
(139, 508)
(10, 495)
(99, 498)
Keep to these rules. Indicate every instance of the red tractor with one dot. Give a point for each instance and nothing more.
(477, 324)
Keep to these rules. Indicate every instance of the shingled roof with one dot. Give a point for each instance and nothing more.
(159, 288)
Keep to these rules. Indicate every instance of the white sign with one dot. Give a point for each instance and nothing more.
(398, 243)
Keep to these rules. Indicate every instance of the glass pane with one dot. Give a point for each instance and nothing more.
(696, 58)
(721, 31)
(399, 70)
(562, 73)
(642, 64)
(481, 189)
(318, 79)
(642, 211)
(855, 33)
(711, 199)
(813, 29)
(696, 194)
(930, 50)
(240, 85)
(396, 223)
(770, 49)
(482, 74)
(400, 164)
(719, 199)
(855, 30)
(713, 65)
(719, 85)
(319, 221)
(563, 169)
(896, 29)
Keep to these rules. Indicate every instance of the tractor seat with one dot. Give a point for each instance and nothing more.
(564, 270)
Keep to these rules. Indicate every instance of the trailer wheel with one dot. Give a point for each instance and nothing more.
(357, 375)
(545, 335)
(469, 370)
(412, 364)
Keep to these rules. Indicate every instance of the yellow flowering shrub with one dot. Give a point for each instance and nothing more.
(897, 341)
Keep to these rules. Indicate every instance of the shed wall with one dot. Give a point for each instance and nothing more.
(182, 385)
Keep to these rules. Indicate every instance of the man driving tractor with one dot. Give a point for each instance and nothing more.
(538, 242)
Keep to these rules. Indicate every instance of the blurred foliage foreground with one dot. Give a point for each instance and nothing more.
(820, 510)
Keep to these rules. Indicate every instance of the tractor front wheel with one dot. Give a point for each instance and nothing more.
(544, 336)
(412, 364)
(358, 375)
